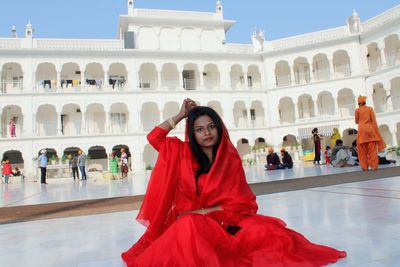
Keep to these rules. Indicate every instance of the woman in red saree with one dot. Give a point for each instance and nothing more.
(200, 211)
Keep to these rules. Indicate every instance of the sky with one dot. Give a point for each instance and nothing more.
(98, 19)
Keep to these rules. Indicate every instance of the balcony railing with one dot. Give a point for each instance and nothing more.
(11, 86)
(76, 44)
(10, 43)
(189, 84)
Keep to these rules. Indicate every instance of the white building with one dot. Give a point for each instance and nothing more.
(98, 95)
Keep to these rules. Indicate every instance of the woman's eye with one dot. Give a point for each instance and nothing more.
(212, 126)
(199, 130)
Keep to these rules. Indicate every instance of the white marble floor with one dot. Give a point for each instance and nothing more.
(66, 189)
(362, 218)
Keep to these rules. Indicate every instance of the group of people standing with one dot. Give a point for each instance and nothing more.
(117, 165)
(364, 151)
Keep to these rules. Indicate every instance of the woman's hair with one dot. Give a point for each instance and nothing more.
(194, 114)
(315, 130)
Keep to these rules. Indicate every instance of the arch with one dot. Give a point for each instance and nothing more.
(95, 118)
(15, 157)
(216, 105)
(97, 159)
(379, 97)
(301, 69)
(341, 64)
(46, 119)
(282, 73)
(51, 153)
(71, 151)
(12, 112)
(286, 110)
(46, 76)
(392, 49)
(117, 75)
(71, 119)
(237, 77)
(243, 147)
(170, 76)
(306, 106)
(119, 117)
(386, 134)
(349, 135)
(94, 75)
(169, 39)
(11, 78)
(373, 57)
(240, 114)
(289, 141)
(149, 155)
(190, 40)
(71, 75)
(148, 76)
(211, 76)
(257, 113)
(395, 92)
(190, 76)
(321, 68)
(254, 77)
(150, 115)
(170, 109)
(118, 148)
(346, 102)
(147, 38)
(325, 103)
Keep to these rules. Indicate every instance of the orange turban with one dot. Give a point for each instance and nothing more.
(362, 99)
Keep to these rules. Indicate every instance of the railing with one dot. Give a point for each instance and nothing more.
(189, 84)
(374, 64)
(11, 86)
(75, 44)
(170, 84)
(156, 13)
(211, 84)
(346, 110)
(283, 80)
(341, 71)
(383, 18)
(7, 43)
(322, 75)
(309, 38)
(392, 58)
(239, 49)
(147, 85)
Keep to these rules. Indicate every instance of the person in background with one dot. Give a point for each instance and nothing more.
(42, 162)
(7, 171)
(273, 161)
(341, 155)
(328, 155)
(369, 139)
(73, 165)
(287, 161)
(335, 136)
(317, 146)
(113, 164)
(82, 164)
(124, 163)
(11, 126)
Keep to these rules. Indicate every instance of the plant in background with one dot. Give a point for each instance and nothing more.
(394, 149)
(149, 167)
(53, 158)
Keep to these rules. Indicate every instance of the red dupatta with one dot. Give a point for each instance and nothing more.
(225, 185)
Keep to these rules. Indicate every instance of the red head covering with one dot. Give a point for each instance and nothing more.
(224, 185)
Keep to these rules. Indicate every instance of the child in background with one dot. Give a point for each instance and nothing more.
(328, 154)
(7, 171)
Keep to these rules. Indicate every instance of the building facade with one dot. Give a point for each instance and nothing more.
(101, 95)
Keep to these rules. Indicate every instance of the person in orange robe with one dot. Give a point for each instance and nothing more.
(200, 211)
(369, 140)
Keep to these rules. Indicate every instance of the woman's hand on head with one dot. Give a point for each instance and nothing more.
(187, 105)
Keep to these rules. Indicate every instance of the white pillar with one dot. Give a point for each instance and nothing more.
(83, 125)
(58, 82)
(59, 124)
(296, 111)
(246, 82)
(138, 165)
(159, 79)
(108, 126)
(180, 74)
(381, 47)
(34, 125)
(105, 81)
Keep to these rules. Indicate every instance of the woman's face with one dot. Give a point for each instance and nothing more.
(205, 132)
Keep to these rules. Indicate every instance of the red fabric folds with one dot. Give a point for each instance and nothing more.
(202, 240)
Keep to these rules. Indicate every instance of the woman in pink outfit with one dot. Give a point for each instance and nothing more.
(11, 126)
